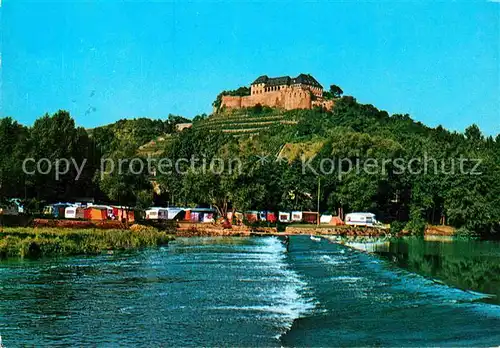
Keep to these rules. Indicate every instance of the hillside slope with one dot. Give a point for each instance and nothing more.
(249, 121)
(364, 158)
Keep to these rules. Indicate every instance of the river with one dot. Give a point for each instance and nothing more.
(243, 292)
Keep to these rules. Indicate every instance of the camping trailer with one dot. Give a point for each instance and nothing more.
(57, 210)
(174, 213)
(360, 219)
(296, 216)
(310, 217)
(283, 216)
(74, 212)
(156, 213)
(205, 215)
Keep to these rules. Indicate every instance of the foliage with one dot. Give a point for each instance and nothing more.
(272, 146)
(334, 92)
(465, 233)
(41, 242)
(397, 227)
(13, 147)
(417, 224)
(126, 182)
(133, 133)
(241, 91)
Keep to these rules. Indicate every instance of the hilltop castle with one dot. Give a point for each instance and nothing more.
(301, 92)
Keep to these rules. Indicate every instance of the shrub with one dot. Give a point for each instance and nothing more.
(417, 224)
(465, 233)
(40, 242)
(397, 226)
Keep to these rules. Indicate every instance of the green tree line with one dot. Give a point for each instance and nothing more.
(271, 173)
(54, 137)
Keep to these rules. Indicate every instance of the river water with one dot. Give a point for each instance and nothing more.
(238, 292)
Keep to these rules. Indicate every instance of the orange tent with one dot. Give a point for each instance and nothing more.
(97, 213)
(124, 214)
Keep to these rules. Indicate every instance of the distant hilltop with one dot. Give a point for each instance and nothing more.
(301, 92)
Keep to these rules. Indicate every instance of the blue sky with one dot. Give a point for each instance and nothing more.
(106, 60)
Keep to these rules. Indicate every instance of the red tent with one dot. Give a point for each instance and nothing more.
(271, 217)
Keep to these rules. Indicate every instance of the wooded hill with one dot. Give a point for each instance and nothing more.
(272, 146)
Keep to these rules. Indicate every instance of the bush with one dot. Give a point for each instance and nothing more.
(397, 227)
(40, 242)
(417, 224)
(465, 233)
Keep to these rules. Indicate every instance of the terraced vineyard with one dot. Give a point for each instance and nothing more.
(243, 123)
(155, 146)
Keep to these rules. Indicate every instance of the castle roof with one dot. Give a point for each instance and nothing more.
(278, 81)
(287, 80)
(307, 80)
(261, 79)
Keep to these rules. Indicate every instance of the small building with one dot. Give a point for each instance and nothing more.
(179, 127)
(9, 209)
(284, 217)
(15, 206)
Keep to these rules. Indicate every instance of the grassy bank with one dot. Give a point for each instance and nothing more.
(41, 242)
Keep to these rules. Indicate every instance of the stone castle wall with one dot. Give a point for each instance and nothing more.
(288, 99)
(231, 102)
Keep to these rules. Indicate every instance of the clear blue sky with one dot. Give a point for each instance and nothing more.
(437, 61)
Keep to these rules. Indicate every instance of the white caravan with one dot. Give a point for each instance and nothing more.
(361, 219)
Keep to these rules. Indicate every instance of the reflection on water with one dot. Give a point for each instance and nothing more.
(250, 292)
(468, 265)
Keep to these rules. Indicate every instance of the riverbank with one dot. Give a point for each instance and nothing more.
(342, 230)
(46, 241)
(190, 229)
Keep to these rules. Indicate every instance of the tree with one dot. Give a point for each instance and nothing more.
(334, 92)
(55, 138)
(13, 148)
(124, 183)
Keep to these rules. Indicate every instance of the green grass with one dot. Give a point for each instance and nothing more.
(47, 242)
